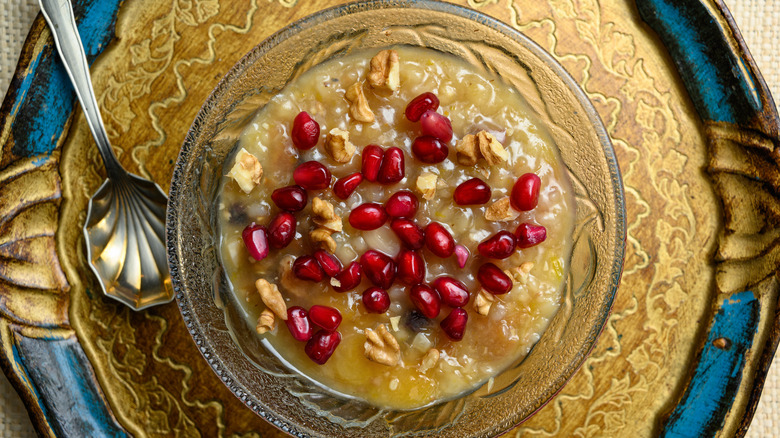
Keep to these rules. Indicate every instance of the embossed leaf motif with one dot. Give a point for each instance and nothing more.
(140, 53)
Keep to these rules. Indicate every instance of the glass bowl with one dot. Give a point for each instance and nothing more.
(297, 405)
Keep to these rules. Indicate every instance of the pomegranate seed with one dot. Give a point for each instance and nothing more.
(429, 150)
(438, 240)
(499, 246)
(493, 279)
(349, 278)
(392, 168)
(298, 323)
(379, 268)
(529, 235)
(290, 198)
(343, 187)
(369, 216)
(376, 300)
(322, 345)
(426, 300)
(525, 192)
(472, 192)
(305, 131)
(409, 232)
(306, 268)
(411, 267)
(256, 241)
(328, 262)
(281, 230)
(312, 175)
(455, 324)
(372, 161)
(325, 317)
(402, 204)
(436, 125)
(452, 292)
(462, 255)
(420, 104)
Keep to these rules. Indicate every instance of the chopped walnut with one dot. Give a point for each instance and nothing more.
(325, 216)
(338, 146)
(321, 238)
(520, 273)
(426, 184)
(290, 283)
(272, 298)
(468, 150)
(483, 301)
(381, 346)
(359, 109)
(429, 360)
(491, 149)
(247, 171)
(501, 211)
(266, 322)
(384, 70)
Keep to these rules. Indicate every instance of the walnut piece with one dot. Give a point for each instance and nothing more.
(290, 283)
(321, 238)
(384, 71)
(467, 150)
(520, 273)
(266, 322)
(325, 216)
(247, 171)
(480, 145)
(272, 298)
(501, 211)
(381, 346)
(338, 146)
(359, 109)
(426, 184)
(429, 360)
(483, 301)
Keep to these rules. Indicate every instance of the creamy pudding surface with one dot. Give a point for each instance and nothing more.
(367, 271)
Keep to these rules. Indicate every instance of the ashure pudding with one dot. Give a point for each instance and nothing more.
(397, 226)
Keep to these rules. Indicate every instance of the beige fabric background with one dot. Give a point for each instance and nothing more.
(759, 21)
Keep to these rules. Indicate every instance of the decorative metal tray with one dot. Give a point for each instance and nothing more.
(694, 325)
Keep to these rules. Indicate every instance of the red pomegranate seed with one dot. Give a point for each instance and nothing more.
(408, 232)
(256, 241)
(420, 104)
(402, 204)
(462, 255)
(322, 345)
(312, 175)
(368, 216)
(298, 323)
(529, 235)
(498, 246)
(328, 262)
(525, 192)
(454, 325)
(376, 300)
(472, 192)
(429, 150)
(281, 230)
(290, 198)
(349, 278)
(411, 267)
(306, 268)
(452, 292)
(305, 131)
(372, 161)
(343, 187)
(438, 240)
(436, 125)
(325, 317)
(426, 300)
(392, 168)
(379, 268)
(493, 279)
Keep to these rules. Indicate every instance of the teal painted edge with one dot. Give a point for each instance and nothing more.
(710, 394)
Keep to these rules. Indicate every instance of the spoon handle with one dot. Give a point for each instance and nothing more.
(59, 15)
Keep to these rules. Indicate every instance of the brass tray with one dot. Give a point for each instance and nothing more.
(694, 325)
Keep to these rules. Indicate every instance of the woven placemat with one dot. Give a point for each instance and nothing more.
(759, 21)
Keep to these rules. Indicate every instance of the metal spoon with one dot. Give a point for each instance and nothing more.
(125, 227)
